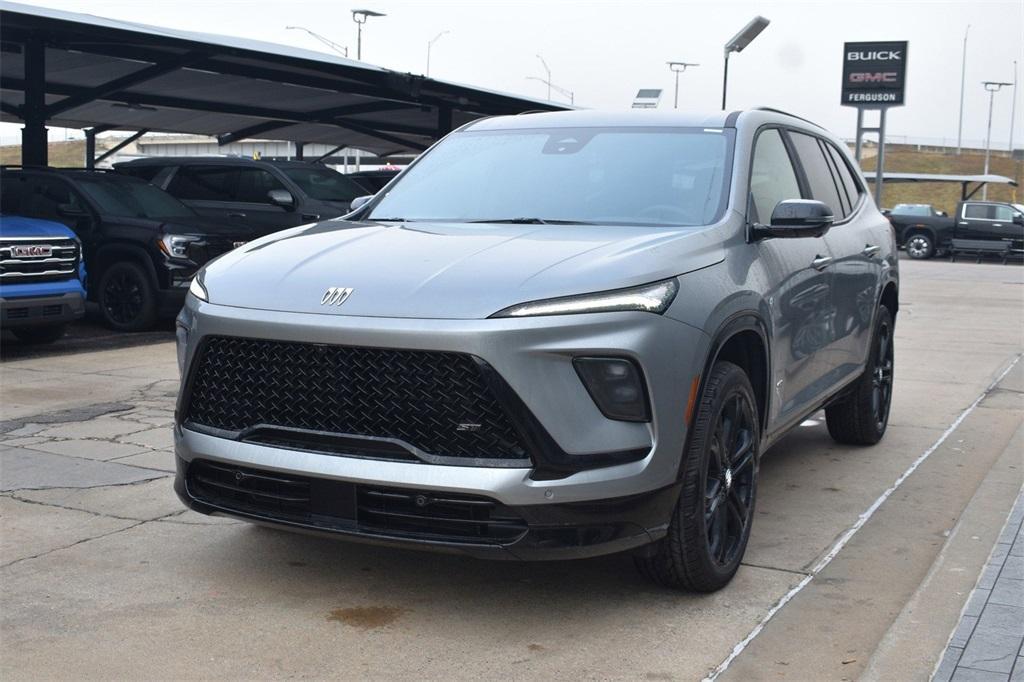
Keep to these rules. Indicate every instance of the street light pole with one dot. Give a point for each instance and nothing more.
(963, 76)
(430, 44)
(548, 81)
(738, 42)
(678, 68)
(1013, 105)
(551, 86)
(360, 16)
(340, 49)
(992, 87)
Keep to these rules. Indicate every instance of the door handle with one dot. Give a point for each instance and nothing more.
(997, 225)
(236, 215)
(871, 249)
(821, 262)
(311, 216)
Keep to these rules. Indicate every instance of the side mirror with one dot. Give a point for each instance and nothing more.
(282, 198)
(71, 211)
(1018, 219)
(793, 218)
(359, 202)
(942, 214)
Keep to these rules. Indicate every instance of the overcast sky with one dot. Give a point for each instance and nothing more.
(605, 51)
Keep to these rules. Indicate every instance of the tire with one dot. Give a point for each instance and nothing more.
(862, 417)
(710, 525)
(126, 297)
(42, 334)
(920, 246)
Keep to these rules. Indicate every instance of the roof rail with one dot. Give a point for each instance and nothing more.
(7, 166)
(786, 113)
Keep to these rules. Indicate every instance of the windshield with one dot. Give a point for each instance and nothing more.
(122, 197)
(620, 176)
(324, 184)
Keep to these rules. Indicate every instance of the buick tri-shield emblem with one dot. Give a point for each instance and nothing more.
(336, 295)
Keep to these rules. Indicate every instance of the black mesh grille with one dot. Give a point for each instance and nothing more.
(435, 401)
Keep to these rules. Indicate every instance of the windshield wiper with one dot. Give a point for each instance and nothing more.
(388, 220)
(529, 221)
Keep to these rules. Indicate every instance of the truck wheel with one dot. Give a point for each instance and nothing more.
(920, 246)
(126, 298)
(862, 417)
(42, 334)
(711, 523)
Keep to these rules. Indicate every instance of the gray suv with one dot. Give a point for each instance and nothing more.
(556, 335)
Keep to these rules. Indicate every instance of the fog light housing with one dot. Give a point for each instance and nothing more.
(616, 386)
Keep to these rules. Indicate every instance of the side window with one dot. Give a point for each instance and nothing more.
(253, 185)
(1004, 213)
(146, 173)
(979, 211)
(51, 199)
(12, 191)
(772, 178)
(854, 189)
(203, 183)
(819, 173)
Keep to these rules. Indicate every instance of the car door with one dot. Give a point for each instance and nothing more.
(855, 240)
(53, 198)
(990, 222)
(798, 285)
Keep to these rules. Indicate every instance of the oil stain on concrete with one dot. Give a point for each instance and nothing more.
(367, 617)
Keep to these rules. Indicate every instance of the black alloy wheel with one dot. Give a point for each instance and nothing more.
(126, 298)
(729, 480)
(862, 417)
(881, 382)
(710, 526)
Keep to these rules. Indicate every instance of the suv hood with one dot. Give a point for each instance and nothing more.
(448, 270)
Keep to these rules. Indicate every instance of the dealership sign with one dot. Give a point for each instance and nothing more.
(874, 74)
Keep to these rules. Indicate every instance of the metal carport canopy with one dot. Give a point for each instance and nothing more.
(80, 71)
(966, 191)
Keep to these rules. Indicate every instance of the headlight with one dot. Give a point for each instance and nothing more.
(650, 298)
(176, 245)
(197, 289)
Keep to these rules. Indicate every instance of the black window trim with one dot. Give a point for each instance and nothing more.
(802, 175)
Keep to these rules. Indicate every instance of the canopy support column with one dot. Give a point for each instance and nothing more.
(33, 134)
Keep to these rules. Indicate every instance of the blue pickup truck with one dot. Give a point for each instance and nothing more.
(42, 278)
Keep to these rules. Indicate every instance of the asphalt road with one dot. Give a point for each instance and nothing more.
(102, 573)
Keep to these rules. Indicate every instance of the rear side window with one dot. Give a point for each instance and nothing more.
(203, 183)
(853, 188)
(772, 178)
(51, 199)
(979, 211)
(819, 173)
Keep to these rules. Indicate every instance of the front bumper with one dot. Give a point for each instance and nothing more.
(542, 532)
(32, 311)
(534, 356)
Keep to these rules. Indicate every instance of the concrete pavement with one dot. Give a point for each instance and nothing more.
(103, 574)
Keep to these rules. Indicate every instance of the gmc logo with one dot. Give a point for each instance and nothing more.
(888, 77)
(874, 56)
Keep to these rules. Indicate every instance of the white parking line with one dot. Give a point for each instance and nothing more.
(861, 520)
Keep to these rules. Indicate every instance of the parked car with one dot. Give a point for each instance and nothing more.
(375, 180)
(923, 231)
(42, 278)
(140, 245)
(263, 195)
(586, 330)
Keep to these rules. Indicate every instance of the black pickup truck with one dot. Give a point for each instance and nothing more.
(977, 226)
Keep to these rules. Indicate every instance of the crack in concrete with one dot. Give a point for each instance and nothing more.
(163, 474)
(88, 539)
(74, 414)
(802, 574)
(12, 495)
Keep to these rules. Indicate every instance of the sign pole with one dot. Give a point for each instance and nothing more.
(880, 165)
